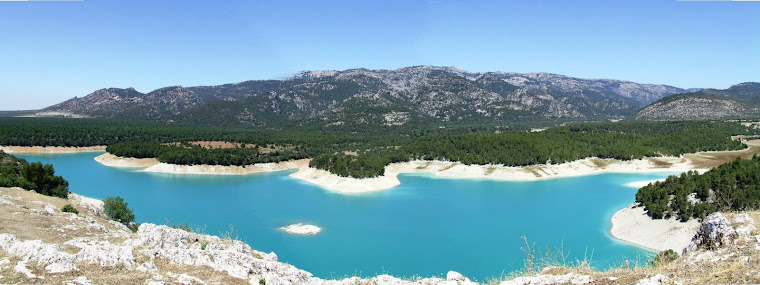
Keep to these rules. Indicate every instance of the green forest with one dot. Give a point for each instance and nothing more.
(372, 148)
(732, 186)
(195, 155)
(17, 172)
(565, 144)
(623, 141)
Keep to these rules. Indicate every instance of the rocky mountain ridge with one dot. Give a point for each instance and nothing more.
(390, 97)
(737, 102)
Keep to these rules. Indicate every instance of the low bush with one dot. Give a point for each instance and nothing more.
(68, 208)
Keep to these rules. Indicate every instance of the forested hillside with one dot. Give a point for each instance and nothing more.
(732, 186)
(16, 172)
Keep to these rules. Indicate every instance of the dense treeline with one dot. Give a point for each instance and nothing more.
(194, 155)
(363, 166)
(16, 172)
(732, 186)
(565, 144)
(623, 141)
(379, 145)
(663, 128)
(320, 138)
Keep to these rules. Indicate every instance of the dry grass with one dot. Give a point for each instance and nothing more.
(601, 163)
(712, 159)
(447, 167)
(26, 224)
(424, 165)
(662, 163)
(535, 171)
(740, 266)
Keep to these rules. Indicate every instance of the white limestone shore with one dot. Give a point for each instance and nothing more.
(226, 170)
(347, 185)
(52, 149)
(444, 169)
(154, 166)
(111, 160)
(632, 225)
(447, 169)
(302, 229)
(639, 184)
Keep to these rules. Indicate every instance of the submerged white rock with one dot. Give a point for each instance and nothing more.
(302, 229)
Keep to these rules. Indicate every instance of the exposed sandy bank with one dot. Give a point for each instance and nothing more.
(346, 185)
(301, 229)
(633, 225)
(639, 184)
(154, 166)
(52, 149)
(446, 169)
(108, 159)
(226, 170)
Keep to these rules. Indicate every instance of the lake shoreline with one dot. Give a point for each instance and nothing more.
(152, 165)
(701, 162)
(629, 224)
(632, 225)
(52, 149)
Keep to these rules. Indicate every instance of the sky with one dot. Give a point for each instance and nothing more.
(51, 51)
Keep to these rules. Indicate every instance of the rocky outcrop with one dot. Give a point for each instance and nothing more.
(714, 232)
(654, 280)
(544, 279)
(722, 239)
(49, 256)
(301, 229)
(233, 257)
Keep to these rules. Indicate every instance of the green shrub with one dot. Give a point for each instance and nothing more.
(665, 257)
(68, 208)
(133, 227)
(118, 210)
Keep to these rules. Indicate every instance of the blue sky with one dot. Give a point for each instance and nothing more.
(52, 51)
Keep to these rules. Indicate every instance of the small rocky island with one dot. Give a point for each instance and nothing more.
(302, 229)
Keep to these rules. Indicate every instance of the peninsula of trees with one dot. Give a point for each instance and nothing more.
(732, 186)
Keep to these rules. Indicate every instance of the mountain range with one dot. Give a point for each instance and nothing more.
(391, 97)
(737, 102)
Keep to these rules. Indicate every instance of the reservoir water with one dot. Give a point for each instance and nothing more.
(426, 226)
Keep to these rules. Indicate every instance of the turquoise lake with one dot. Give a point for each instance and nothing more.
(426, 226)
